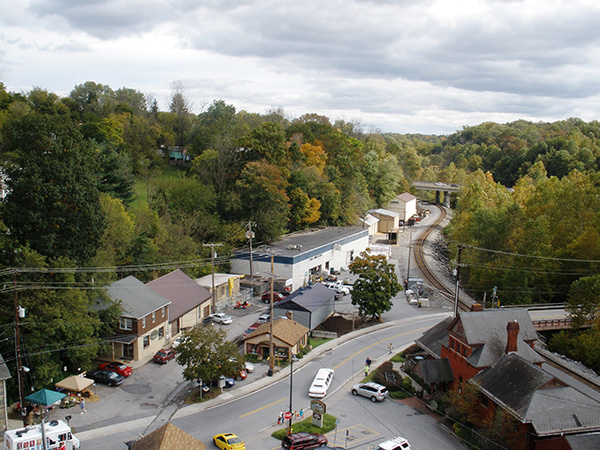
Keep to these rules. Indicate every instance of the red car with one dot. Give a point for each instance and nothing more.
(116, 366)
(164, 356)
(266, 297)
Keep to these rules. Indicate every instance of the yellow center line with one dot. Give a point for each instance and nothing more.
(376, 343)
(262, 408)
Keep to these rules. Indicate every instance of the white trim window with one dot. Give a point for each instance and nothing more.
(144, 322)
(126, 323)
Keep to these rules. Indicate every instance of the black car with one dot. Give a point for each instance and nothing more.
(107, 377)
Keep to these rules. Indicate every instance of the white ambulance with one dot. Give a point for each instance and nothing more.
(58, 436)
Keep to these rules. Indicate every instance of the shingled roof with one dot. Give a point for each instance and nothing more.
(435, 371)
(183, 292)
(485, 332)
(137, 299)
(286, 330)
(309, 298)
(534, 396)
(168, 437)
(433, 339)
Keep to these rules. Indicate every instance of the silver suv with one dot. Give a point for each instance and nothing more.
(376, 392)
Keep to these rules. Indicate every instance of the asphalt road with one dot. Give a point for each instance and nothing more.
(253, 416)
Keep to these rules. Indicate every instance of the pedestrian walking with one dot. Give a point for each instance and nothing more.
(280, 419)
(390, 348)
(301, 414)
(367, 369)
(368, 362)
(82, 406)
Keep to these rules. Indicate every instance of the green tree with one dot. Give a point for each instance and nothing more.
(206, 354)
(376, 285)
(53, 201)
(583, 303)
(262, 190)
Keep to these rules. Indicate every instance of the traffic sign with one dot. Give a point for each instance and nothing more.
(287, 415)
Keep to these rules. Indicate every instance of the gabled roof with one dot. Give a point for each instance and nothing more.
(485, 332)
(588, 441)
(433, 339)
(534, 396)
(309, 298)
(168, 437)
(220, 278)
(384, 212)
(183, 292)
(369, 220)
(435, 370)
(137, 299)
(287, 330)
(406, 197)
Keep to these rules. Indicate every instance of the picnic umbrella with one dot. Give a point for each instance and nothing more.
(45, 397)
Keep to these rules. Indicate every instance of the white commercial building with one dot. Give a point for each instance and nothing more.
(298, 256)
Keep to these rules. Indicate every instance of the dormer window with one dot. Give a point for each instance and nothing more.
(126, 324)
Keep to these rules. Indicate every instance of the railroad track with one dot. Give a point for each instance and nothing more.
(428, 275)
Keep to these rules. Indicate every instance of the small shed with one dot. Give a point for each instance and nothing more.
(370, 222)
(437, 373)
(311, 305)
(387, 219)
(405, 205)
(289, 337)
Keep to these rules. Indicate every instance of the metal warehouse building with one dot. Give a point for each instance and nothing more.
(299, 255)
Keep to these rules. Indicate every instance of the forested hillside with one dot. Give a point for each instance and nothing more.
(70, 165)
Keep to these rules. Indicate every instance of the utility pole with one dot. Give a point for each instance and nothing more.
(271, 355)
(212, 269)
(457, 275)
(18, 312)
(409, 248)
(291, 372)
(250, 235)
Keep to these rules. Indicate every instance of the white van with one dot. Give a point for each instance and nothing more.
(321, 383)
(57, 434)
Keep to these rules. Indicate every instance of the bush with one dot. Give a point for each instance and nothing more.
(379, 376)
(307, 426)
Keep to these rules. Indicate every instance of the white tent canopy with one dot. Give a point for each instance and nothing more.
(74, 383)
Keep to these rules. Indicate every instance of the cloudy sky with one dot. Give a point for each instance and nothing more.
(394, 65)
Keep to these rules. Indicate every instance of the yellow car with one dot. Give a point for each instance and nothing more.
(228, 441)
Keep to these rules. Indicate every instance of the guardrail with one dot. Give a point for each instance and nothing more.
(551, 324)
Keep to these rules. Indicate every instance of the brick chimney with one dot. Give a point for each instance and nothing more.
(512, 329)
(289, 315)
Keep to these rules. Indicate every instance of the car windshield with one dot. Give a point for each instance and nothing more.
(233, 440)
(119, 366)
(113, 375)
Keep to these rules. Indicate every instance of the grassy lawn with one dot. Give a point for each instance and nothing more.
(315, 342)
(141, 186)
(307, 426)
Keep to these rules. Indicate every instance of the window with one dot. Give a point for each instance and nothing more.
(163, 312)
(153, 316)
(161, 332)
(144, 322)
(126, 323)
(451, 344)
(146, 341)
(484, 401)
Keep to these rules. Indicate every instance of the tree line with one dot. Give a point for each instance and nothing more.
(87, 186)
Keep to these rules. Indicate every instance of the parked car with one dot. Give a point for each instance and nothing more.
(264, 318)
(266, 297)
(164, 356)
(242, 375)
(321, 383)
(228, 441)
(251, 328)
(176, 342)
(376, 392)
(107, 377)
(221, 318)
(301, 441)
(338, 286)
(249, 367)
(116, 366)
(398, 443)
(229, 382)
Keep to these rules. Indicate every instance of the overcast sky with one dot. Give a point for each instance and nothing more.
(394, 65)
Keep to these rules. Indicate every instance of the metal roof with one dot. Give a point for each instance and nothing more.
(137, 299)
(183, 292)
(309, 298)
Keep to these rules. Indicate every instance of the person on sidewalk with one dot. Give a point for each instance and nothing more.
(367, 370)
(82, 406)
(368, 362)
(390, 348)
